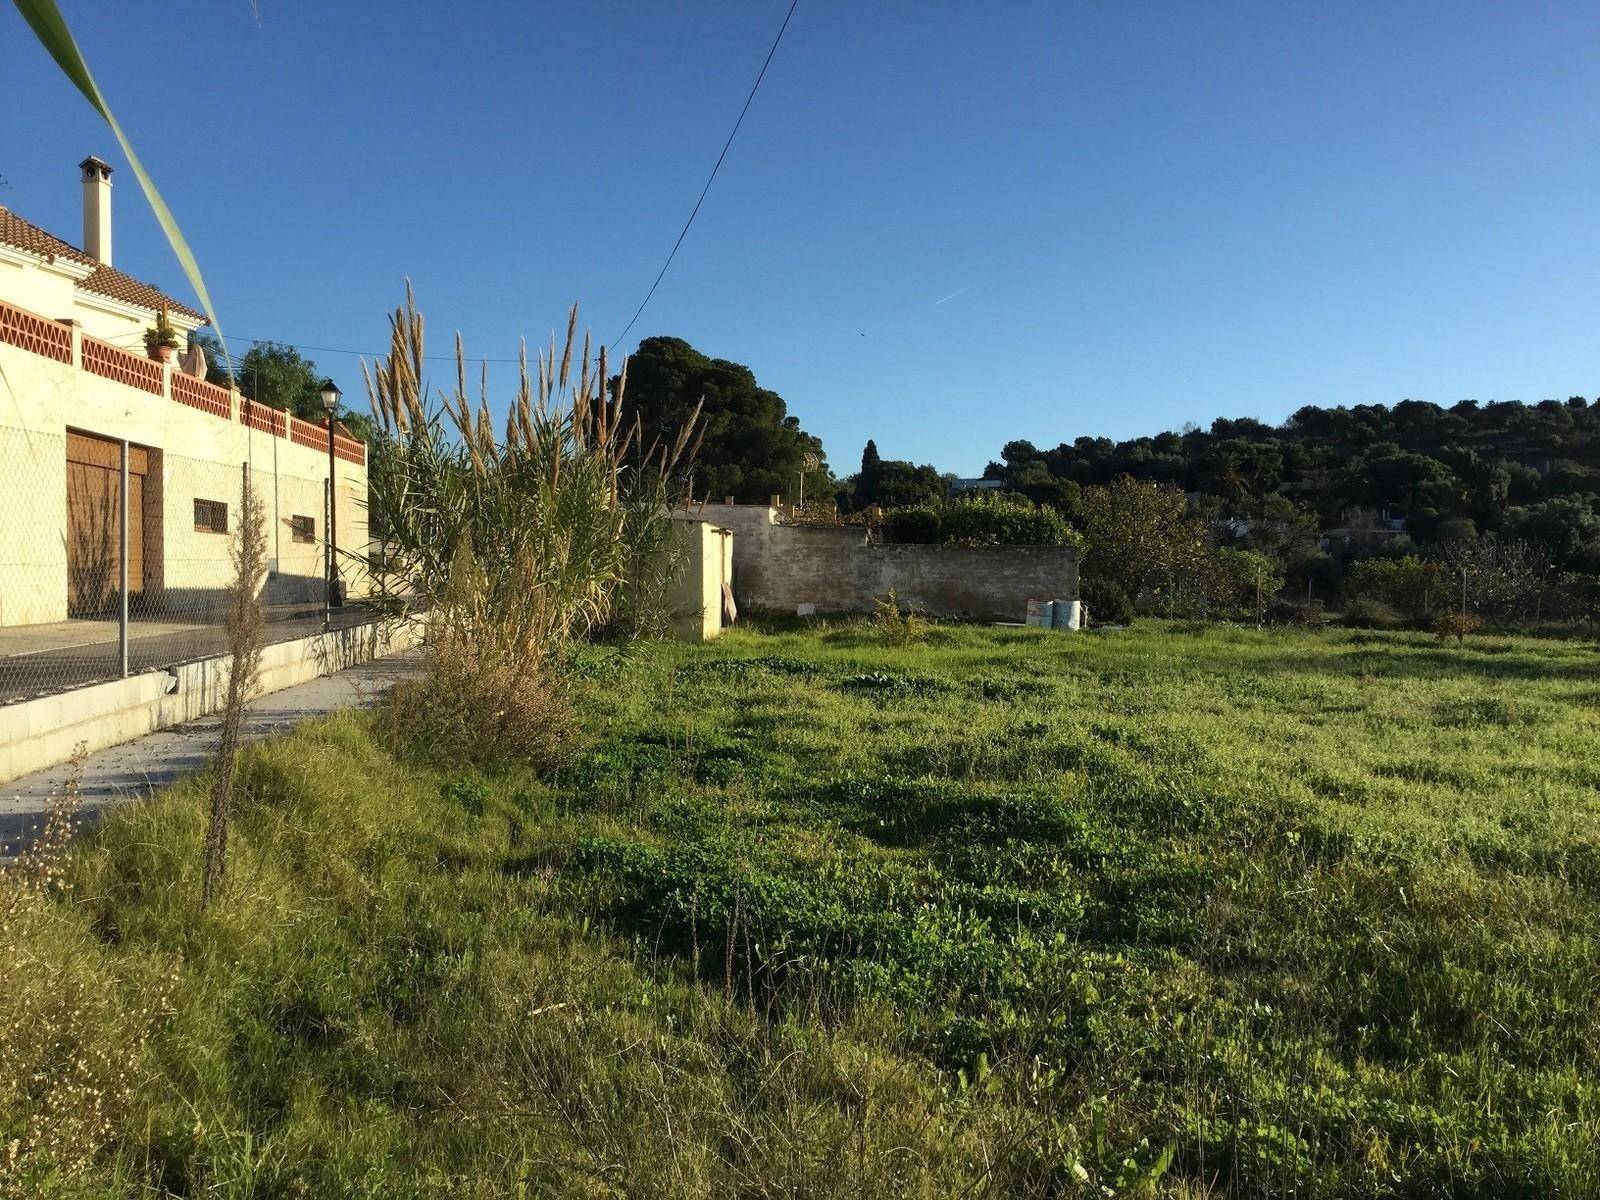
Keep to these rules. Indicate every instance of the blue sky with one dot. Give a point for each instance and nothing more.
(1158, 212)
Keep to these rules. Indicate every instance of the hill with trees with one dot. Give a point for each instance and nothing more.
(1471, 491)
(1530, 471)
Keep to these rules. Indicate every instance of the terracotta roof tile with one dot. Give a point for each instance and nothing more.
(104, 281)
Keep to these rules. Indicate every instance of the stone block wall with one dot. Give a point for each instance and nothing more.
(777, 567)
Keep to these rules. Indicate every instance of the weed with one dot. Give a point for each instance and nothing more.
(895, 627)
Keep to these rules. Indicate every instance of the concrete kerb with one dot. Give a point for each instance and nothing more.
(42, 733)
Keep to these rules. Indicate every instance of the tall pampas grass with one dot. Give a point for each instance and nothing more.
(520, 540)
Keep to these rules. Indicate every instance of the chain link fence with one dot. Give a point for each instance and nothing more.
(115, 558)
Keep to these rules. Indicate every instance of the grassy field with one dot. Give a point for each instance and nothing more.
(1165, 911)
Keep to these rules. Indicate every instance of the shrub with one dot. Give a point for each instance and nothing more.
(1405, 585)
(1303, 614)
(918, 525)
(1107, 603)
(1362, 613)
(896, 627)
(516, 546)
(984, 519)
(1456, 625)
(1239, 580)
(479, 704)
(988, 519)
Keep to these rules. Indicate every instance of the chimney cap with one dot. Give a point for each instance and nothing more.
(97, 165)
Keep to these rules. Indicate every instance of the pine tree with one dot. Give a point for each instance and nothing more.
(870, 459)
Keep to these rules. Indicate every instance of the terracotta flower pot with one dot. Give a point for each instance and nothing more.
(163, 353)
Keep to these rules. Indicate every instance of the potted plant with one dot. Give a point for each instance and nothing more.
(161, 340)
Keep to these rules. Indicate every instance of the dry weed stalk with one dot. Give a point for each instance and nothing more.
(69, 1059)
(245, 634)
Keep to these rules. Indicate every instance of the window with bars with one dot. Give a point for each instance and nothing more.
(210, 516)
(303, 529)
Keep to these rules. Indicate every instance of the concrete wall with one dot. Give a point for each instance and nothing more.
(201, 456)
(695, 597)
(777, 567)
(37, 734)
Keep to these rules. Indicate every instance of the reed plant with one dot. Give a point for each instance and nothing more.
(518, 543)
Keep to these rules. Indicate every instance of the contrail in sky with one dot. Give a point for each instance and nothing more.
(953, 295)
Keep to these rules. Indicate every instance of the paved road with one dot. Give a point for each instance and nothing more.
(59, 669)
(135, 769)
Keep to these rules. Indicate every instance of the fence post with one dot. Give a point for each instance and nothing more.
(122, 567)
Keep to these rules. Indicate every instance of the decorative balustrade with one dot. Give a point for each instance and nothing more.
(304, 433)
(261, 417)
(113, 362)
(53, 340)
(350, 449)
(21, 328)
(197, 393)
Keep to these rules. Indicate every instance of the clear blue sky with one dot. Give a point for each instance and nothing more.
(1159, 212)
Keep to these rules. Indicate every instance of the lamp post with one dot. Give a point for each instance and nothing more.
(330, 404)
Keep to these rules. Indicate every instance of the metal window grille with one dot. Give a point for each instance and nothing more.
(210, 516)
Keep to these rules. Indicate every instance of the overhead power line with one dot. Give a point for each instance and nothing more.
(682, 233)
(661, 274)
(372, 354)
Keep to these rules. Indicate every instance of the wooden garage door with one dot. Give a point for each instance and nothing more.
(94, 522)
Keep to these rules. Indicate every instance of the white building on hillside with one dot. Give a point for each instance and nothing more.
(77, 385)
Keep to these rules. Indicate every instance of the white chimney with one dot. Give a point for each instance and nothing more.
(97, 209)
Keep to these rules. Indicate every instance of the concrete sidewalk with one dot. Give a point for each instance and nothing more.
(134, 769)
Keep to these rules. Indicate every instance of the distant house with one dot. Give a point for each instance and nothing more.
(957, 486)
(80, 394)
(1364, 527)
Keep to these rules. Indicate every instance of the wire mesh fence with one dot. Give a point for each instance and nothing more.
(116, 558)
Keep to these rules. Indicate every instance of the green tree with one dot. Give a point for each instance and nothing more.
(1244, 580)
(1143, 539)
(751, 447)
(894, 483)
(276, 375)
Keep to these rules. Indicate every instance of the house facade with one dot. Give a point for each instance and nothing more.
(79, 395)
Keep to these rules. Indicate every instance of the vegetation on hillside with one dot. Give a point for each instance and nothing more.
(1510, 492)
(982, 912)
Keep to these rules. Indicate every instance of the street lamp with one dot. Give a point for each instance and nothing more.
(330, 404)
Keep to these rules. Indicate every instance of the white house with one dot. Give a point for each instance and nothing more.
(77, 385)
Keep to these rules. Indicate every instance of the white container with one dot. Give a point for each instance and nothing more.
(1066, 614)
(1038, 613)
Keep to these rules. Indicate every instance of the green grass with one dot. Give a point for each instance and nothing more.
(1006, 912)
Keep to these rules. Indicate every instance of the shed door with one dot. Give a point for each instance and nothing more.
(94, 522)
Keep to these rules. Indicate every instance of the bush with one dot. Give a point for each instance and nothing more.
(1362, 613)
(1238, 579)
(981, 520)
(987, 519)
(1407, 585)
(1302, 614)
(918, 525)
(896, 627)
(477, 706)
(1107, 603)
(1456, 625)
